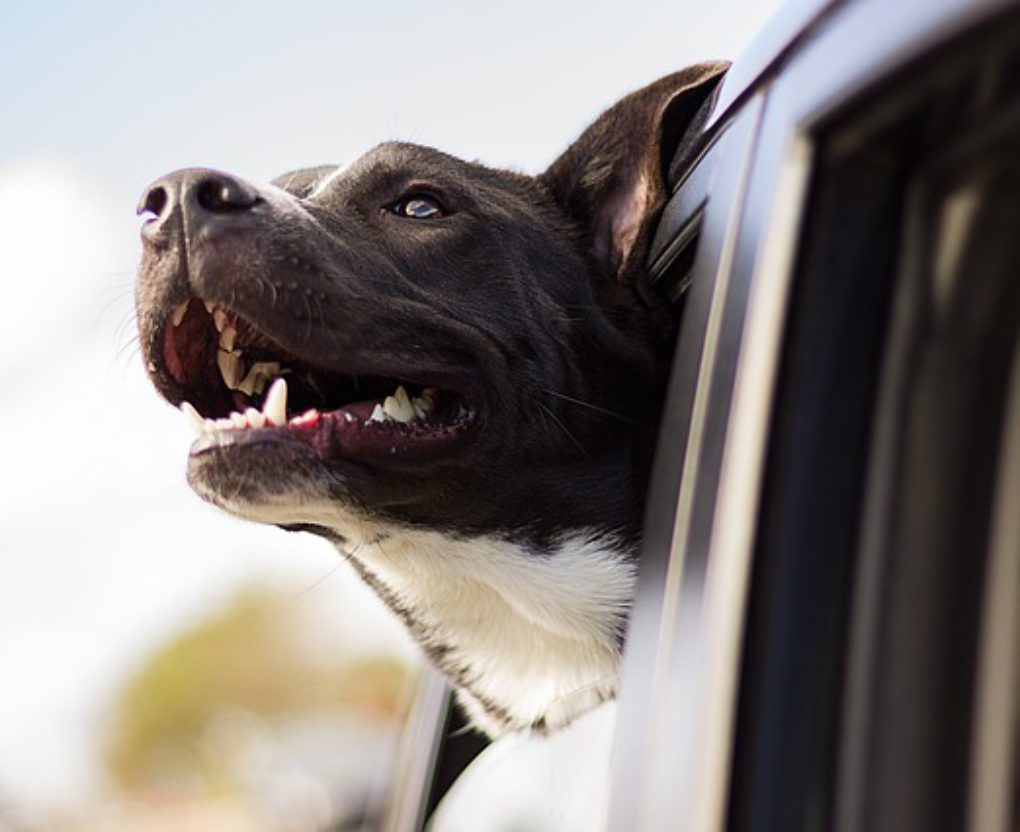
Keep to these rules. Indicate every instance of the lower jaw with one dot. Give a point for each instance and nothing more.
(343, 435)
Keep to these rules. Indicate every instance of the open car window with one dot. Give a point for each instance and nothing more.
(826, 633)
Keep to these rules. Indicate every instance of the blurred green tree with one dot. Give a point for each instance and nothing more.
(252, 657)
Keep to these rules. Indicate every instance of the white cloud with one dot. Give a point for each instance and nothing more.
(104, 551)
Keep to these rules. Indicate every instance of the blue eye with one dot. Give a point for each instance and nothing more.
(418, 207)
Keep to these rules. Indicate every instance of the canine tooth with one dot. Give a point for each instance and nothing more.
(195, 420)
(231, 368)
(220, 319)
(255, 419)
(178, 314)
(275, 406)
(227, 338)
(239, 420)
(209, 306)
(378, 415)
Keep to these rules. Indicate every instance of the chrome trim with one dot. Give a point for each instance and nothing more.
(419, 750)
(729, 559)
(780, 36)
(709, 633)
(994, 755)
(644, 753)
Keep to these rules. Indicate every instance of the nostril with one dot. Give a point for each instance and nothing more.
(153, 202)
(224, 196)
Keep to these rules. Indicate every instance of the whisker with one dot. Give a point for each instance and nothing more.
(563, 427)
(344, 557)
(122, 328)
(597, 683)
(128, 350)
(595, 407)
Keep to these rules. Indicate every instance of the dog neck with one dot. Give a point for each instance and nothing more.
(531, 637)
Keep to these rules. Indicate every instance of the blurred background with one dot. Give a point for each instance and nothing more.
(164, 666)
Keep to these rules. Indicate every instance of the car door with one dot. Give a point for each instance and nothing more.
(825, 635)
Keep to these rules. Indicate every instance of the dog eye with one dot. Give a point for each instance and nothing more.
(418, 207)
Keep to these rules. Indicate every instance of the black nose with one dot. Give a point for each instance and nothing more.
(199, 193)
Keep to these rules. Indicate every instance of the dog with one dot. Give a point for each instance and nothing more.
(452, 372)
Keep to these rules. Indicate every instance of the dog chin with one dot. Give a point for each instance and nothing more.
(275, 485)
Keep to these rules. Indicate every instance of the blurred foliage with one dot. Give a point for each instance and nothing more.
(252, 657)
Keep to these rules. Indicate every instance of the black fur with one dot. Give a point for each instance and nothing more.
(528, 298)
(512, 298)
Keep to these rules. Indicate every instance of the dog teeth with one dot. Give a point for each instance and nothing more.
(424, 403)
(402, 398)
(195, 420)
(178, 314)
(227, 338)
(231, 367)
(255, 418)
(309, 417)
(273, 414)
(275, 407)
(398, 406)
(248, 380)
(395, 410)
(259, 373)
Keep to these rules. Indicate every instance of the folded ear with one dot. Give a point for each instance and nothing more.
(612, 179)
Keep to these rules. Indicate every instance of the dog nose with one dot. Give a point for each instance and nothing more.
(200, 194)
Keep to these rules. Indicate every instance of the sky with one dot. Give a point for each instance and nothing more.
(104, 552)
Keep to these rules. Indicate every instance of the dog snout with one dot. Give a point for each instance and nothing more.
(198, 195)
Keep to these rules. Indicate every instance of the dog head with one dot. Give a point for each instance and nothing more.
(463, 350)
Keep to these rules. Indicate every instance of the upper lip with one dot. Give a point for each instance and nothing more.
(353, 364)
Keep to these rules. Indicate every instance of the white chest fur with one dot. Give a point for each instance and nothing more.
(530, 638)
(533, 637)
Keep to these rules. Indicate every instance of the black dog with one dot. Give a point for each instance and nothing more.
(452, 372)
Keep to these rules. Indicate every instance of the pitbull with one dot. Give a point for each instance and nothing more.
(451, 372)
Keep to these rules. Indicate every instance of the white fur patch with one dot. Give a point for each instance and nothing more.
(537, 633)
(534, 633)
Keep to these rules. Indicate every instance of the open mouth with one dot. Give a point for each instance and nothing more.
(240, 387)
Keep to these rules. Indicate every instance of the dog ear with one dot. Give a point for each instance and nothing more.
(612, 179)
